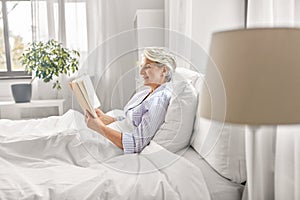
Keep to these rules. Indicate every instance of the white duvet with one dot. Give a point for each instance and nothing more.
(59, 158)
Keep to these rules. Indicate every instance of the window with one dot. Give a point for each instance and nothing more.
(22, 21)
(15, 33)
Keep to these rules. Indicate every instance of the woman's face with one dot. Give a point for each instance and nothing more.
(153, 75)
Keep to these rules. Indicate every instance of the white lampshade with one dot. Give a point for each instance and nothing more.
(255, 78)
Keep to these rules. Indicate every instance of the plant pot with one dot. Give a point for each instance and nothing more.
(21, 92)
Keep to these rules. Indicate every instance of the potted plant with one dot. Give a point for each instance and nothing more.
(47, 61)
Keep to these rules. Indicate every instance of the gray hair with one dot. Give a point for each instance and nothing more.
(162, 57)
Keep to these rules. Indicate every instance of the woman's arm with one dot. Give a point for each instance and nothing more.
(99, 126)
(134, 142)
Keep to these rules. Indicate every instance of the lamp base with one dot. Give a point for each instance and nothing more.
(260, 161)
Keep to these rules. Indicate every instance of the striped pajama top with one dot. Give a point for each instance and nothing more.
(146, 116)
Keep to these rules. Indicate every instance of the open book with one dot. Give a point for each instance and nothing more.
(85, 94)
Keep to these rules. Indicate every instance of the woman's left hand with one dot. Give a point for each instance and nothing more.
(95, 124)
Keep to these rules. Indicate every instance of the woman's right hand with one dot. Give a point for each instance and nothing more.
(99, 112)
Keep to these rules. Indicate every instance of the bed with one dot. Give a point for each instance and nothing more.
(60, 158)
(219, 187)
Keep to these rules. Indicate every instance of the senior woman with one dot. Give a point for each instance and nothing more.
(146, 110)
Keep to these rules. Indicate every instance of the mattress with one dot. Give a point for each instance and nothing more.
(219, 187)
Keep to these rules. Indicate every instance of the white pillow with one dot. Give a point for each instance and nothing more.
(175, 133)
(184, 74)
(221, 145)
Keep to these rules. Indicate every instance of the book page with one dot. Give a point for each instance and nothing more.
(90, 91)
(88, 106)
(85, 94)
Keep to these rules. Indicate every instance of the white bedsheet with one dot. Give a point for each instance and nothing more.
(59, 158)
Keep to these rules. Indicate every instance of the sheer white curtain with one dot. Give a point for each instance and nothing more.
(191, 24)
(178, 22)
(65, 21)
(273, 13)
(111, 59)
(280, 159)
(88, 26)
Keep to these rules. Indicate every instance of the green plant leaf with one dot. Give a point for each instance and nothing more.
(49, 59)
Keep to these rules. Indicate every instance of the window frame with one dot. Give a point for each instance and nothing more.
(9, 74)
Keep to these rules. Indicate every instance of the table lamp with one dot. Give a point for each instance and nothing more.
(253, 79)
